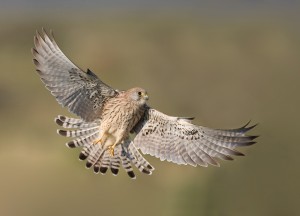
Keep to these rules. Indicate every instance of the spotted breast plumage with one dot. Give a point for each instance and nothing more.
(108, 116)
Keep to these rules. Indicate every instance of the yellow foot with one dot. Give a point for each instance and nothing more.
(111, 150)
(97, 141)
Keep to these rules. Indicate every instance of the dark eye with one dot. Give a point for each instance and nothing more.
(139, 93)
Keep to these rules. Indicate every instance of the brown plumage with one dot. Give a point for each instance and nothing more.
(119, 115)
(107, 116)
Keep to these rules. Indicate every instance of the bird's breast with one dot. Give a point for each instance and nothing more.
(121, 115)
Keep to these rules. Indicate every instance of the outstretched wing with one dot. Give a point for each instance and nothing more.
(175, 139)
(83, 93)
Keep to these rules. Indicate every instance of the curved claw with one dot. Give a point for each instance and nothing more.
(97, 141)
(111, 150)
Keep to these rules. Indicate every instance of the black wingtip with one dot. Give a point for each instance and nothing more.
(246, 143)
(253, 137)
(89, 72)
(242, 129)
(245, 125)
(245, 129)
(237, 153)
(187, 118)
(227, 157)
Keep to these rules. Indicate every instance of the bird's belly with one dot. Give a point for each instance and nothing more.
(117, 121)
(112, 133)
(109, 140)
(119, 125)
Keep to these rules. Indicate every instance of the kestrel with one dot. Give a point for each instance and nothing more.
(108, 116)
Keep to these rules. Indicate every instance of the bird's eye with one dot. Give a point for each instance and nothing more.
(139, 93)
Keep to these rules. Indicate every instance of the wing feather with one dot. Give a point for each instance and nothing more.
(83, 93)
(177, 140)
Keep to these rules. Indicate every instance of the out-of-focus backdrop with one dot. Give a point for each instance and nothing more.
(224, 62)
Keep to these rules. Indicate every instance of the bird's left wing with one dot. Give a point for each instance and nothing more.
(83, 93)
(177, 140)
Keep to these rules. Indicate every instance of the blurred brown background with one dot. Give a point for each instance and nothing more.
(224, 63)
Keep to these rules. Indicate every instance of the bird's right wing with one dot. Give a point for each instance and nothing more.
(83, 93)
(179, 141)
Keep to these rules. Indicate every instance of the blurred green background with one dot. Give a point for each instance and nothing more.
(224, 65)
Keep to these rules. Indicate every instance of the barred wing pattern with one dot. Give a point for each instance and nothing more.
(176, 140)
(85, 134)
(82, 92)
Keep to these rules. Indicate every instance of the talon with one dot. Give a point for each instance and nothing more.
(97, 141)
(111, 150)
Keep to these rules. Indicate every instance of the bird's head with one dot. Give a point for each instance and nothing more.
(138, 95)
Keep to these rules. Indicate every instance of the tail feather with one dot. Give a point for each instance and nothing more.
(115, 161)
(86, 133)
(86, 151)
(140, 158)
(141, 163)
(77, 133)
(127, 166)
(67, 122)
(104, 163)
(70, 120)
(83, 141)
(94, 155)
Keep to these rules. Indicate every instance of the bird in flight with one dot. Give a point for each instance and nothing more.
(108, 116)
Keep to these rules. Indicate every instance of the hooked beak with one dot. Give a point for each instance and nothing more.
(146, 97)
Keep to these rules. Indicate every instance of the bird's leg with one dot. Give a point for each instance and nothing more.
(97, 141)
(103, 137)
(111, 148)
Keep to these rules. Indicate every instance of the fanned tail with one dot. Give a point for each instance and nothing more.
(85, 133)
